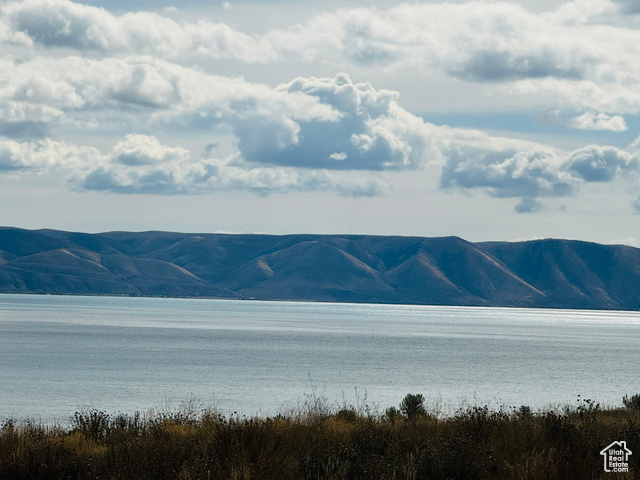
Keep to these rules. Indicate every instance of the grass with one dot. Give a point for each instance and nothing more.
(320, 442)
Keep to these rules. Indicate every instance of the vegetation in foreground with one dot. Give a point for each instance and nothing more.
(319, 442)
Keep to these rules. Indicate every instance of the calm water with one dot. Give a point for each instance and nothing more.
(58, 354)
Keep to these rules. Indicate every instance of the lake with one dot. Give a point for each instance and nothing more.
(59, 354)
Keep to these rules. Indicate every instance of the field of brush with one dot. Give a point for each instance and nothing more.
(321, 442)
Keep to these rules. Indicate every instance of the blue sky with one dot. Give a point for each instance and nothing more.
(490, 120)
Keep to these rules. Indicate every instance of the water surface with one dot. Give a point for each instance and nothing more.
(62, 353)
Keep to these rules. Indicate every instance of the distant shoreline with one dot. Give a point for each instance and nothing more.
(304, 301)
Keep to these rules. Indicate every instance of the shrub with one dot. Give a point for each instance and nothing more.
(412, 406)
(587, 410)
(92, 424)
(632, 403)
(348, 415)
(524, 412)
(392, 415)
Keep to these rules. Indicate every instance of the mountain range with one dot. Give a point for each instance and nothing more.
(334, 268)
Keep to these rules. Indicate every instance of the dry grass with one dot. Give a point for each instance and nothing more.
(318, 442)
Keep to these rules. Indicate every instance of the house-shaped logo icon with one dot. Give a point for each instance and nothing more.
(616, 457)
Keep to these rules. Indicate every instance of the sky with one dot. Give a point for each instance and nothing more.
(488, 120)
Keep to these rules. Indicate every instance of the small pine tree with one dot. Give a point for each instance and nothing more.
(412, 406)
(632, 403)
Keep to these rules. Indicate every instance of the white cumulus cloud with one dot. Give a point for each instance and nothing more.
(62, 23)
(371, 132)
(142, 164)
(529, 171)
(595, 163)
(41, 156)
(599, 121)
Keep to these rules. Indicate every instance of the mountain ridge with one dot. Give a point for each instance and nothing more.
(549, 273)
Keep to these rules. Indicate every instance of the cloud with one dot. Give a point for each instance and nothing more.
(478, 41)
(72, 83)
(31, 99)
(507, 172)
(315, 124)
(599, 121)
(581, 12)
(39, 94)
(307, 123)
(635, 145)
(531, 171)
(62, 23)
(140, 164)
(581, 54)
(311, 133)
(219, 176)
(140, 90)
(528, 205)
(24, 129)
(145, 150)
(370, 131)
(504, 168)
(263, 180)
(494, 65)
(600, 164)
(40, 156)
(475, 41)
